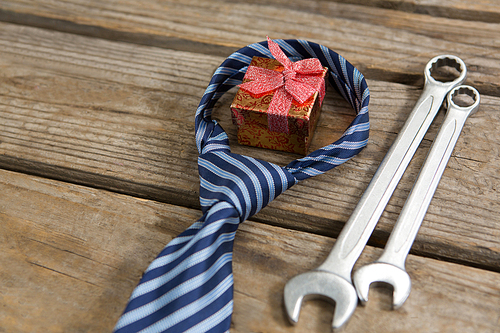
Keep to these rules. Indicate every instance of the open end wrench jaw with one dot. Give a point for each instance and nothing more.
(382, 272)
(324, 285)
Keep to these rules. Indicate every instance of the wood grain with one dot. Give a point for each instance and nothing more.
(72, 255)
(97, 100)
(110, 115)
(386, 44)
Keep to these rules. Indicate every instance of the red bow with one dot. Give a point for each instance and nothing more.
(298, 81)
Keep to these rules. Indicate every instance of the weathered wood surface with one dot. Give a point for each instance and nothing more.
(109, 114)
(383, 43)
(71, 256)
(103, 94)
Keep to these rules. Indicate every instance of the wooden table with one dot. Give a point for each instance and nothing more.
(98, 159)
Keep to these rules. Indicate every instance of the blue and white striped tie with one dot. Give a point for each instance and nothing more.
(189, 286)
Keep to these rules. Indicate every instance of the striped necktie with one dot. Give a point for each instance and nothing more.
(189, 286)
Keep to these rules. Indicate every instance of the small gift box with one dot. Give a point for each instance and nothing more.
(279, 101)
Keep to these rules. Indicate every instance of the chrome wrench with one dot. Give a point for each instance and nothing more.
(332, 279)
(390, 267)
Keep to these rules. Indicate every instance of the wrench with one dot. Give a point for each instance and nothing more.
(390, 267)
(332, 279)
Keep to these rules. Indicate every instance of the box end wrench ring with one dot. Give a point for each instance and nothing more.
(390, 267)
(332, 279)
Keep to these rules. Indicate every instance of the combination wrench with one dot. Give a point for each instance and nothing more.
(390, 267)
(332, 279)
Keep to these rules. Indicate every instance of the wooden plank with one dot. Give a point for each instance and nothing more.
(72, 255)
(385, 44)
(110, 115)
(482, 11)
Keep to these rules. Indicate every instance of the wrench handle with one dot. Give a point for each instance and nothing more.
(355, 234)
(417, 203)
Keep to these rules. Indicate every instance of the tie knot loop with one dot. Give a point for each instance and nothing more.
(343, 76)
(246, 183)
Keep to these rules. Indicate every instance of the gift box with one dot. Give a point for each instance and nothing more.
(290, 130)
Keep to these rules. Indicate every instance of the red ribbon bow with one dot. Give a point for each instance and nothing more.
(298, 81)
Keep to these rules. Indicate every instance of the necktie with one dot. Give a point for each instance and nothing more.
(189, 286)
